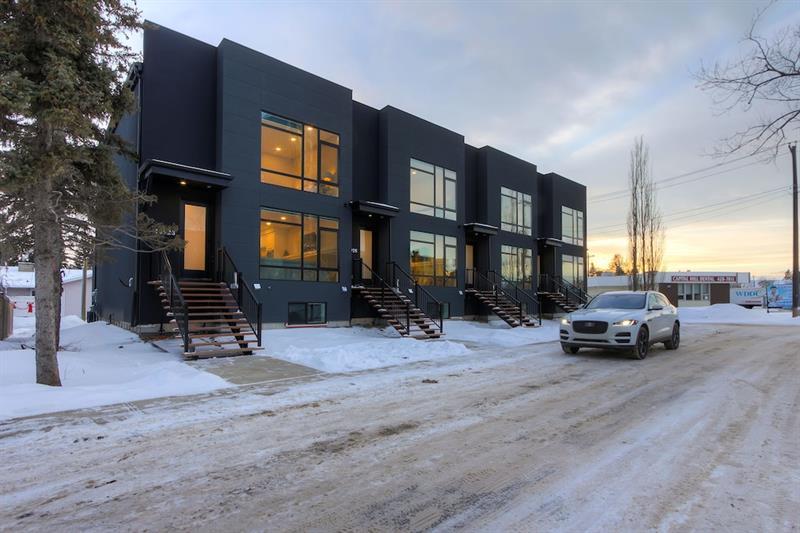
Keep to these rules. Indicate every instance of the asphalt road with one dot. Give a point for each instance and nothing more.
(525, 439)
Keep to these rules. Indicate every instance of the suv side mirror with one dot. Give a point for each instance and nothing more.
(656, 308)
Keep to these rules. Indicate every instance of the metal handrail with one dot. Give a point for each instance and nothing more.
(418, 290)
(504, 282)
(481, 282)
(376, 280)
(175, 301)
(242, 293)
(552, 283)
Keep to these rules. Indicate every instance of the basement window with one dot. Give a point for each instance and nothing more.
(307, 313)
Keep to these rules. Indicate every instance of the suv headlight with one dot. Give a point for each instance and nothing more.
(566, 321)
(626, 322)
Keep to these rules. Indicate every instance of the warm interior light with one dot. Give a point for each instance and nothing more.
(294, 139)
(269, 223)
(277, 148)
(283, 218)
(183, 182)
(309, 128)
(326, 178)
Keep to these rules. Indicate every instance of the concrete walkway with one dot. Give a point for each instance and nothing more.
(249, 369)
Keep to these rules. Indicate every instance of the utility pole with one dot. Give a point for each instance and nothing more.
(795, 259)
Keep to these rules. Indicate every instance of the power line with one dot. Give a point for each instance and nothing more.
(714, 212)
(659, 183)
(736, 200)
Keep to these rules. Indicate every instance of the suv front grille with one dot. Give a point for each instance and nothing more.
(589, 326)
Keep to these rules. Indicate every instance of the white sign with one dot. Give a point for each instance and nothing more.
(748, 297)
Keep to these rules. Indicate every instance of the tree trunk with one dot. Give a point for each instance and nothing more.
(47, 261)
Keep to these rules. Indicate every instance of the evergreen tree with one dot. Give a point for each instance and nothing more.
(62, 84)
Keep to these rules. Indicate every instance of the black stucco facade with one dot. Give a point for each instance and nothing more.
(200, 111)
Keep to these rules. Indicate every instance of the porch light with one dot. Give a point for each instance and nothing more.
(183, 182)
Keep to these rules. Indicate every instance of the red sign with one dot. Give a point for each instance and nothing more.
(692, 278)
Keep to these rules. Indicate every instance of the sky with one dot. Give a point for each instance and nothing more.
(564, 85)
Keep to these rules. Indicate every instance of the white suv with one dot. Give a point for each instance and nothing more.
(631, 320)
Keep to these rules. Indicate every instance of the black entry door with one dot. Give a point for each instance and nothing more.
(197, 257)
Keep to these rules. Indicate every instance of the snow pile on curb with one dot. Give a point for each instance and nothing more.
(99, 364)
(735, 314)
(351, 349)
(498, 333)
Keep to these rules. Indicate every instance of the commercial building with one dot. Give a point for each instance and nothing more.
(305, 193)
(682, 288)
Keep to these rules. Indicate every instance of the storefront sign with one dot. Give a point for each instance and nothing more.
(693, 278)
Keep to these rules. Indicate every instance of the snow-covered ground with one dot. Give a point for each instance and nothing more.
(359, 348)
(99, 365)
(736, 314)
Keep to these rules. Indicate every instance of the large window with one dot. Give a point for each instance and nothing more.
(694, 291)
(297, 246)
(572, 269)
(301, 313)
(433, 190)
(299, 156)
(433, 259)
(572, 226)
(516, 211)
(517, 265)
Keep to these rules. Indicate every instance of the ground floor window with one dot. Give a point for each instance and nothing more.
(433, 259)
(307, 313)
(572, 269)
(517, 265)
(694, 291)
(299, 246)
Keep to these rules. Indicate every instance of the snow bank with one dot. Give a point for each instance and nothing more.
(735, 314)
(356, 348)
(499, 333)
(99, 364)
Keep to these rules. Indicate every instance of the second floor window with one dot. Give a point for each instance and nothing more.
(572, 269)
(572, 226)
(516, 211)
(298, 246)
(299, 156)
(433, 190)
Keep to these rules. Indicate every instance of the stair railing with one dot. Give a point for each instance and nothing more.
(407, 284)
(520, 294)
(556, 284)
(363, 275)
(245, 298)
(484, 283)
(174, 298)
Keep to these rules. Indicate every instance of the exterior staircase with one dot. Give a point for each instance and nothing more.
(561, 293)
(391, 304)
(504, 298)
(207, 315)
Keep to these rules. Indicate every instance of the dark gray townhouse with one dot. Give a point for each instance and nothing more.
(301, 206)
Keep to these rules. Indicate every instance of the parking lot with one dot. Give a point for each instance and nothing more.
(703, 438)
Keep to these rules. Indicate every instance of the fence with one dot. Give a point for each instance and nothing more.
(6, 317)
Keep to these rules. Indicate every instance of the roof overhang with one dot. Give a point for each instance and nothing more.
(549, 241)
(204, 176)
(478, 228)
(374, 208)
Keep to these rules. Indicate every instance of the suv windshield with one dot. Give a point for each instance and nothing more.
(617, 301)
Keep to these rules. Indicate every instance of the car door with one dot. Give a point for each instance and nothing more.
(670, 314)
(655, 317)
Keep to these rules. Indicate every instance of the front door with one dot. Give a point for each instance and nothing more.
(197, 254)
(469, 264)
(366, 251)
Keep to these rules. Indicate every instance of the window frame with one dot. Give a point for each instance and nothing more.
(306, 184)
(577, 262)
(306, 314)
(448, 245)
(518, 227)
(438, 211)
(577, 235)
(518, 254)
(302, 269)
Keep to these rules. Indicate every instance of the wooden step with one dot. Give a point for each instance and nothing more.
(200, 313)
(220, 343)
(206, 354)
(215, 335)
(214, 320)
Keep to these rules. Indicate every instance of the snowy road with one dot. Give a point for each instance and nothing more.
(705, 438)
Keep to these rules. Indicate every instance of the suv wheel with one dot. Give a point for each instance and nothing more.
(569, 349)
(675, 339)
(642, 344)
